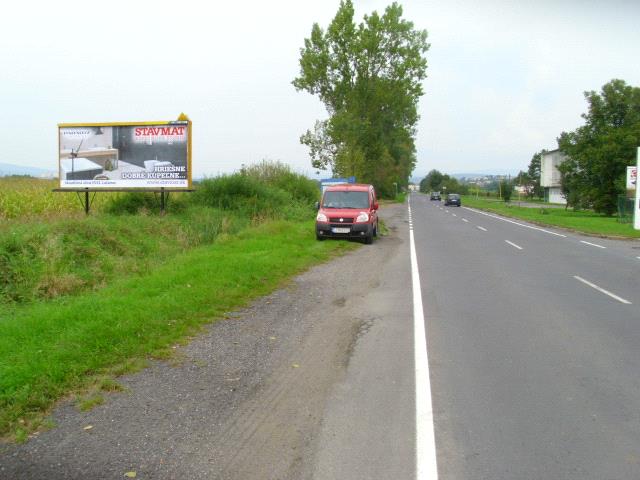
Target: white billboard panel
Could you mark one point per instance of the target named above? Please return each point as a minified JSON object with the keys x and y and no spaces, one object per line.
{"x":146,"y":155}
{"x":632,"y":178}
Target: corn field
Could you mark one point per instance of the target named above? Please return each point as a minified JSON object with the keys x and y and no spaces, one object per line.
{"x":26,"y":197}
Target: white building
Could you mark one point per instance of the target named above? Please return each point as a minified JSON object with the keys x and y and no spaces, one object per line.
{"x":550,"y":176}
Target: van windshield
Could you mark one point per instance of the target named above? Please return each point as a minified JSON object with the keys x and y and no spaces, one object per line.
{"x":346,"y":200}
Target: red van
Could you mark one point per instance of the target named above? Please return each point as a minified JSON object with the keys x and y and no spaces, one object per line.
{"x":348,"y":211}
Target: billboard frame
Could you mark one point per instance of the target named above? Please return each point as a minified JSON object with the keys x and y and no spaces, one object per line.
{"x":182,"y":120}
{"x":163,"y":191}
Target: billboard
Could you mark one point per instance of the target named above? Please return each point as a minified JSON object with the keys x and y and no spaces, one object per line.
{"x":632,"y":178}
{"x":143,"y":155}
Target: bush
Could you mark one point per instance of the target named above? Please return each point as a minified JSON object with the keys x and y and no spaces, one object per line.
{"x":507,"y":190}
{"x":264,"y":191}
{"x":132,"y":202}
{"x":278,"y":175}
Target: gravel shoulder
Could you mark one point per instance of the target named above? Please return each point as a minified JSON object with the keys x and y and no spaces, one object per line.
{"x":243,"y":400}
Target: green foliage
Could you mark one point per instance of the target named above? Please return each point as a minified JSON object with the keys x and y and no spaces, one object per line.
{"x":506,"y":190}
{"x":432,"y":182}
{"x":62,"y":257}
{"x":599,"y":151}
{"x":279,"y":175}
{"x":369,"y":76}
{"x":68,"y":256}
{"x":130,"y":203}
{"x":443,"y":183}
{"x":534,"y":173}
{"x":28,"y":198}
{"x":249,"y":196}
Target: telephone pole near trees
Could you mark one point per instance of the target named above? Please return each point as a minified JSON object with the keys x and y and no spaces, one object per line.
{"x":636,"y":204}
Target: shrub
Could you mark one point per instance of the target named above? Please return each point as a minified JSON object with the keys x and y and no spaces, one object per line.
{"x":132,"y":202}
{"x":263,"y":191}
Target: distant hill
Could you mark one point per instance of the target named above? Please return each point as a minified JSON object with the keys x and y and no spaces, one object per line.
{"x":486,"y":173}
{"x":7,"y":169}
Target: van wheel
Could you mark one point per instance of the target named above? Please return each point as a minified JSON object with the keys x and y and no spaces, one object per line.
{"x":320,"y":237}
{"x":375,"y":230}
{"x":368,"y":239}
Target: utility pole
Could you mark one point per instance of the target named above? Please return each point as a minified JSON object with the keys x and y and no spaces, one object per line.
{"x":636,"y":204}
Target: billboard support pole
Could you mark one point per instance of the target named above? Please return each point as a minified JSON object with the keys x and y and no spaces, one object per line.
{"x":636,"y":209}
{"x":88,"y":198}
{"x":86,"y":204}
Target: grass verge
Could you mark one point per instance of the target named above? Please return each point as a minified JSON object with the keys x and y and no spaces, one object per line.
{"x":51,"y":348}
{"x":580,"y":221}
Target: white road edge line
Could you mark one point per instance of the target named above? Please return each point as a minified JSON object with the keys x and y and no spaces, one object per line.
{"x":426,"y":462}
{"x":514,"y":245}
{"x":482,"y":228}
{"x":592,"y":244}
{"x":516,"y":223}
{"x":606,"y":292}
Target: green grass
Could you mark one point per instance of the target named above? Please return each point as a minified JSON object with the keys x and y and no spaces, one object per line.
{"x":581,"y":221}
{"x":400,"y":197}
{"x":68,"y":256}
{"x":51,"y":348}
{"x":90,"y":403}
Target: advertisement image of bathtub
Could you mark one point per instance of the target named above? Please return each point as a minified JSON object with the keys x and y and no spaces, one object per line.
{"x":140,"y":155}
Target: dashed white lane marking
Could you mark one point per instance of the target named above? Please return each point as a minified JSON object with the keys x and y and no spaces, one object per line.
{"x":465,"y":220}
{"x":454,"y":214}
{"x":514,"y":245}
{"x":592,"y":244}
{"x":516,"y":223}
{"x":482,"y":228}
{"x":600,"y":289}
{"x":426,"y":461}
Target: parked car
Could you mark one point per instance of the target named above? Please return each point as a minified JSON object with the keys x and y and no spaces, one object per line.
{"x":348,"y":211}
{"x":452,"y":199}
{"x":435,"y":196}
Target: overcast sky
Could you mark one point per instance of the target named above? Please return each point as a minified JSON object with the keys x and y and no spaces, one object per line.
{"x":505,"y":78}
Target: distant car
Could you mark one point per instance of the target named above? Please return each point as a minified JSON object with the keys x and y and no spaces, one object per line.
{"x":452,"y":199}
{"x":435,"y":196}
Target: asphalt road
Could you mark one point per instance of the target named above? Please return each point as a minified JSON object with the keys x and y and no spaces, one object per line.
{"x":534,"y":372}
{"x":533,"y":358}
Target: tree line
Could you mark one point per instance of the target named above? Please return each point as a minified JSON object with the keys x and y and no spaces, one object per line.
{"x":369,"y":77}
{"x":436,"y":181}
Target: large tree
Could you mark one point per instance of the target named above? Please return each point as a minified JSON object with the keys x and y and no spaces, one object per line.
{"x":435,"y":181}
{"x":369,"y":77}
{"x":599,"y":151}
{"x":533,"y":173}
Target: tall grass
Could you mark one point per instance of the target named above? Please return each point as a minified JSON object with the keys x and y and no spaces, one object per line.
{"x":48,"y":248}
{"x":264,"y":191}
{"x":29,"y":198}
{"x":46,"y":260}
